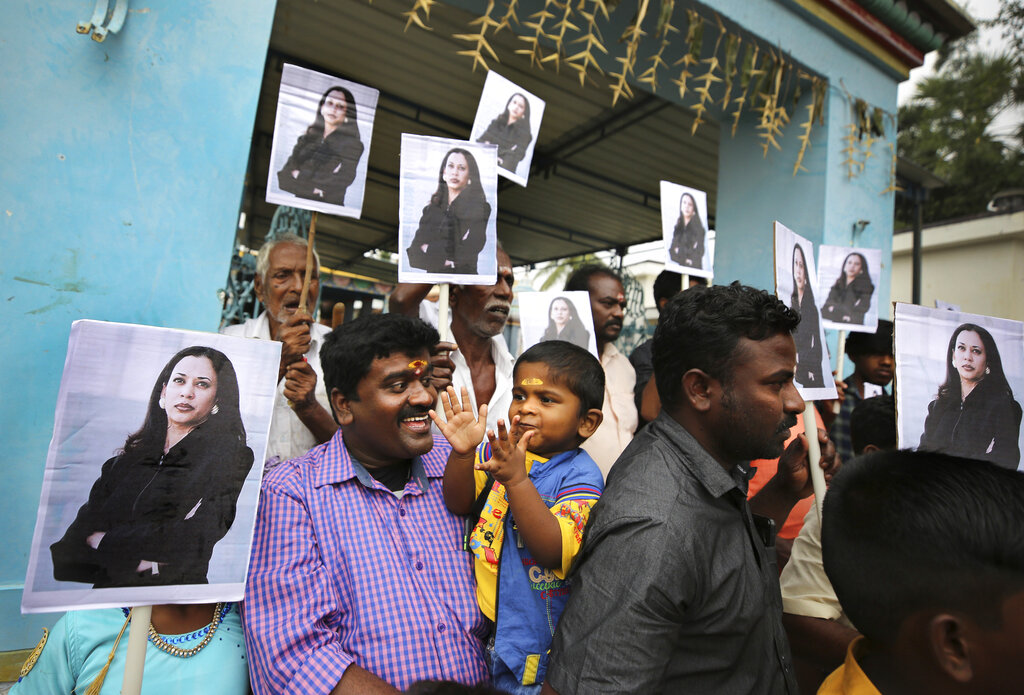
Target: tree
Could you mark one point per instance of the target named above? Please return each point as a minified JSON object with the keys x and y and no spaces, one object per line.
{"x":946,"y":127}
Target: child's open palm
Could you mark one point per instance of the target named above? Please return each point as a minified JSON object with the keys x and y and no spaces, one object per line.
{"x":508,"y":458}
{"x":462,"y":430}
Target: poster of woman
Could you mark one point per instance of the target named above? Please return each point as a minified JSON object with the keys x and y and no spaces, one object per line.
{"x":959,"y":381}
{"x":795,"y":281}
{"x":557,"y":315}
{"x":684,"y":214}
{"x":508,"y":116}
{"x":149,"y":491}
{"x":847,"y":294}
{"x":447,"y":198}
{"x":321,"y":144}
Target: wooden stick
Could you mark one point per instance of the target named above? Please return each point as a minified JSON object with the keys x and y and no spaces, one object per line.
{"x":841,"y":349}
{"x":135,"y":658}
{"x":814,"y":454}
{"x":309,"y":264}
{"x":442,"y":311}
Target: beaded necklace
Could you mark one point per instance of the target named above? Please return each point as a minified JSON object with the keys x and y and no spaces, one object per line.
{"x":166,"y":644}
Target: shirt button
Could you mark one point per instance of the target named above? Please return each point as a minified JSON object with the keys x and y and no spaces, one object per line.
{"x":401,"y":511}
{"x":419,"y":566}
{"x":441,"y":627}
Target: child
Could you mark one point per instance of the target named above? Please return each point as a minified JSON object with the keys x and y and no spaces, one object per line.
{"x":873,"y":363}
{"x":534,"y":488}
{"x":926,"y":554}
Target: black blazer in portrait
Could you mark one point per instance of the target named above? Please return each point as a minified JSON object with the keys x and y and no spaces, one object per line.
{"x":170,"y":509}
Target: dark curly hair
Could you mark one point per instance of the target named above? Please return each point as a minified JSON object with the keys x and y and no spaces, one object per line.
{"x":701,"y":327}
{"x":350,"y":349}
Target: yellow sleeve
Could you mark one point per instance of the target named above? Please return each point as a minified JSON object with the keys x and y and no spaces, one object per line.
{"x":572,"y":516}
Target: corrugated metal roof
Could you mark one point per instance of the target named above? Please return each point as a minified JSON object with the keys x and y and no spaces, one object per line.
{"x":594,"y":183}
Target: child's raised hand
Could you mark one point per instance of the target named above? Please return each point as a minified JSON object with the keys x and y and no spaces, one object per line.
{"x":463,"y":431}
{"x":508,"y":459}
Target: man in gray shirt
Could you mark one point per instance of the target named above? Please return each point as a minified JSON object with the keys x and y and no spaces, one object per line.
{"x":676,"y":589}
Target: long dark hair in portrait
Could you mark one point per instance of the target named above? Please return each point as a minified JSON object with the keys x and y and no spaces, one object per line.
{"x":807,"y":334}
{"x":162,"y":503}
{"x":154,"y":428}
{"x":324,"y":160}
{"x":983,"y":425}
{"x":453,"y":227}
{"x":574,"y":331}
{"x":510,"y":132}
{"x":687,"y":246}
{"x":849,"y":300}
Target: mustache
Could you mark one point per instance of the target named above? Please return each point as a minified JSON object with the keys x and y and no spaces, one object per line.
{"x":788,"y":424}
{"x":413,"y":411}
{"x":613,"y":322}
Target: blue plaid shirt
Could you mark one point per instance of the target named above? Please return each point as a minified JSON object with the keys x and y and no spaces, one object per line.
{"x":343,"y":571}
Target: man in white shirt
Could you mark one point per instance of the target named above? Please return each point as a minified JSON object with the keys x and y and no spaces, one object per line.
{"x":302,"y":417}
{"x":483,"y":363}
{"x":608,"y":305}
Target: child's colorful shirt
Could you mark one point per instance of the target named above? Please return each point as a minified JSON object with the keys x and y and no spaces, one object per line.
{"x":532,"y":597}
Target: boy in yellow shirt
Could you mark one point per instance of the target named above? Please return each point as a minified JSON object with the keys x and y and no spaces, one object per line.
{"x":534,"y":488}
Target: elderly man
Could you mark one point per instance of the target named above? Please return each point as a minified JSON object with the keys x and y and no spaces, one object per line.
{"x":608,"y":304}
{"x":358,"y":582}
{"x":483,"y":364}
{"x":301,"y":417}
{"x":677,"y":589}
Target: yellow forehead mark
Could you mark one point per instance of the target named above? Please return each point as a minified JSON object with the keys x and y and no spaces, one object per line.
{"x":532,"y":381}
{"x":417,"y":366}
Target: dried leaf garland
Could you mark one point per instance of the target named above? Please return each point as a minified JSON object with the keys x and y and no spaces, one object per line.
{"x":584,"y":60}
{"x":747,"y":73}
{"x":632,"y":36}
{"x":509,"y":17}
{"x":732,"y":49}
{"x":694,"y":40}
{"x":413,"y":16}
{"x":708,"y":78}
{"x":537,"y":57}
{"x":476,"y":53}
{"x":893,"y":186}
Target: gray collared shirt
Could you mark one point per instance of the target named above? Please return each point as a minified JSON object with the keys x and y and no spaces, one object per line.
{"x":674,"y":591}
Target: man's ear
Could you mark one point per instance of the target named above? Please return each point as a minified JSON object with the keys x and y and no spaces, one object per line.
{"x":589,"y":423}
{"x":869,"y":448}
{"x":341,"y":407}
{"x":698,"y":389}
{"x":257,"y":288}
{"x":453,"y":293}
{"x":949,"y":638}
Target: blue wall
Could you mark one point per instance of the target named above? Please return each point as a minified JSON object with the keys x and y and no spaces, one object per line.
{"x":821,"y":204}
{"x":123,"y":166}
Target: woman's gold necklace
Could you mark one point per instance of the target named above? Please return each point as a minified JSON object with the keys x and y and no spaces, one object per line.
{"x":160,"y":644}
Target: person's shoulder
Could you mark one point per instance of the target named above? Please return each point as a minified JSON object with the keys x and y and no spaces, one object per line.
{"x":240,"y":330}
{"x":642,"y":352}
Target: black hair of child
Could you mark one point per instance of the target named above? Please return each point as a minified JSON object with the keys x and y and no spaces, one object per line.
{"x":570,"y":366}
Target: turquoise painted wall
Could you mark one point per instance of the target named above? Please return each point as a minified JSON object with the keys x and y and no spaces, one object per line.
{"x":822,"y":203}
{"x":123,"y":165}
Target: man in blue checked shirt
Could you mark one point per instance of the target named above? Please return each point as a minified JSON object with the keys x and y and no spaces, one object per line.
{"x":357,"y":582}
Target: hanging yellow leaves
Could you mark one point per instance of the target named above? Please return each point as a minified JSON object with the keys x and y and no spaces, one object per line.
{"x":736,"y":74}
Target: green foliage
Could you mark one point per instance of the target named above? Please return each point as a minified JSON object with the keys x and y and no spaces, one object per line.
{"x":947,"y":128}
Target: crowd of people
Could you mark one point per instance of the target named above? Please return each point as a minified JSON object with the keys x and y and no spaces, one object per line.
{"x":441,"y":517}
